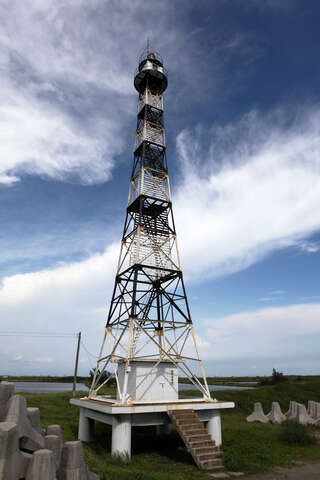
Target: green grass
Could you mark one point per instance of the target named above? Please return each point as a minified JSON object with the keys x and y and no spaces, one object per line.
{"x":248,"y":447}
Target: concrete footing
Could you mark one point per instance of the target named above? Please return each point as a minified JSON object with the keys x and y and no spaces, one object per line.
{"x":258,"y":415}
{"x":86,"y":427}
{"x":121,"y":436}
{"x":214,"y":427}
{"x":42,"y":466}
{"x":276,"y":416}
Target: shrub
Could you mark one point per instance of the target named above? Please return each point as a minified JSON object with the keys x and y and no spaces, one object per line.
{"x":276,"y":377}
{"x":294,"y":433}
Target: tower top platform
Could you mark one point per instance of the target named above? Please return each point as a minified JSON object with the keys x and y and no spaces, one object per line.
{"x":151,"y":72}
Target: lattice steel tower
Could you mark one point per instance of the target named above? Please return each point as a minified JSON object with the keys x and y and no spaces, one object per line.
{"x":149,"y":318}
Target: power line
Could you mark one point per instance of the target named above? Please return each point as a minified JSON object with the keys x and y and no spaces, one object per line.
{"x":37,"y":334}
{"x":87,"y":351}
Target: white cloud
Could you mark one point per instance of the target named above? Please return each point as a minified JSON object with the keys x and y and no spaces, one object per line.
{"x":280,"y":333}
{"x":67,"y":299}
{"x":256,"y":189}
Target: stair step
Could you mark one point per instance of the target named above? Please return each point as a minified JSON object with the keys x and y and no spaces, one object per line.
{"x":212,"y":461}
{"x":209,"y":456}
{"x":201,"y":450}
{"x":209,"y":466}
{"x":205,"y":438}
{"x":181,"y":418}
{"x":195,"y":429}
{"x":203,"y":444}
{"x":188,"y":421}
{"x":193,"y":437}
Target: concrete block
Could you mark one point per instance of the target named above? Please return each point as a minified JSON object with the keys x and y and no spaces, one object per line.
{"x":292,"y":412}
{"x":258,"y":415}
{"x":13,"y":463}
{"x":317,"y":422}
{"x":29,"y":438}
{"x":9,"y":440}
{"x":276,"y":416}
{"x":317,"y":409}
{"x":302,"y":416}
{"x":42,"y":466}
{"x":55,"y":430}
{"x":72,"y":465}
{"x":53,"y":443}
{"x":6,"y":392}
{"x":34,"y":417}
{"x":26,"y":459}
{"x":311,"y":408}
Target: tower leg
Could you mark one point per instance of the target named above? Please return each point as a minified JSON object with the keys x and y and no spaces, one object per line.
{"x":164,"y":429}
{"x":121,"y":436}
{"x":214,"y":427}
{"x":85,"y":427}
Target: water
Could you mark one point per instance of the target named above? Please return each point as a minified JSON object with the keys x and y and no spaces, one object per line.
{"x":55,"y":387}
{"x":46,"y":387}
{"x":185,"y":386}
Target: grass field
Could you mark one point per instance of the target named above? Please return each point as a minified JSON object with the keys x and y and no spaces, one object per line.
{"x":246,"y":447}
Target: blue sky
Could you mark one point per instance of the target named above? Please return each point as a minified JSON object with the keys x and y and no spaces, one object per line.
{"x":242,"y":115}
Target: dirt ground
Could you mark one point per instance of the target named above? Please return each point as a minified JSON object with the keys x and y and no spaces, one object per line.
{"x":307,"y":471}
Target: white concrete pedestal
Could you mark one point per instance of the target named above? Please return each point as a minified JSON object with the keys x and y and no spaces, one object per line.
{"x":121,"y":436}
{"x":214,"y":427}
{"x":123,"y":417}
{"x":86,"y":426}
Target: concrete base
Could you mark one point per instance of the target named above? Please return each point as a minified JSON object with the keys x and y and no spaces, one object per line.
{"x":121,"y":436}
{"x":214,"y":427}
{"x":123,"y":417}
{"x":86,"y":426}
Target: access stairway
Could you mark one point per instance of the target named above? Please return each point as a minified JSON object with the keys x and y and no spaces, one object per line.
{"x":199,"y":443}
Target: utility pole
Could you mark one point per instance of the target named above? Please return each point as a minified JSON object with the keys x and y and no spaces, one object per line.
{"x":76,"y":366}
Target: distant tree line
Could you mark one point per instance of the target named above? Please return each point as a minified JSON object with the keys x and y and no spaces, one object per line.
{"x":276,"y":377}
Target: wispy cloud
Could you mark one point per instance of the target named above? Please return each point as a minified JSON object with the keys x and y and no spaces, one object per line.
{"x":256,"y":189}
{"x":67,"y":85}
